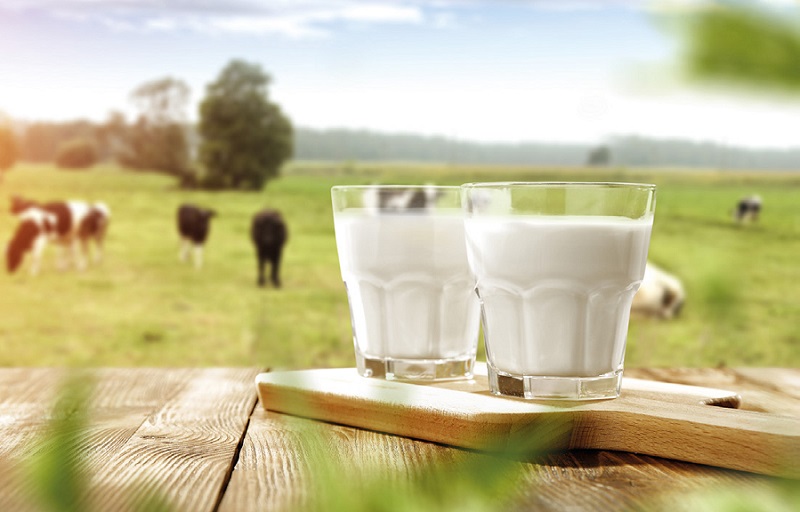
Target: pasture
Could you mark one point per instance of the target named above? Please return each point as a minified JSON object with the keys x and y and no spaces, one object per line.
{"x":141,"y":306}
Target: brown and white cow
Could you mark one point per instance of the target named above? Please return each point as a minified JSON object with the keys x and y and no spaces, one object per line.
{"x":74,"y":225}
{"x":660,"y":295}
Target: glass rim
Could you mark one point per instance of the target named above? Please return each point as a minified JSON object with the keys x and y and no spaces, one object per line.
{"x":393,"y":186}
{"x":555,"y":184}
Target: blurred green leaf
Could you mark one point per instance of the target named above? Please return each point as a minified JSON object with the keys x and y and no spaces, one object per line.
{"x":735,"y":42}
{"x":57,"y":469}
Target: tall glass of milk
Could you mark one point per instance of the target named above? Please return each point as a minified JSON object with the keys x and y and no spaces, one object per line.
{"x":403,"y":259}
{"x":556,"y":266}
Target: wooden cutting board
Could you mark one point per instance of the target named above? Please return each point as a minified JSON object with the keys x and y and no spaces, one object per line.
{"x":689,"y":423}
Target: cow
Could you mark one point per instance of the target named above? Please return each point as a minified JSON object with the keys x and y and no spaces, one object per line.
{"x":660,"y":294}
{"x":71,"y":224}
{"x":194,"y":223}
{"x":399,"y":198}
{"x":269,"y":233}
{"x":747,"y":209}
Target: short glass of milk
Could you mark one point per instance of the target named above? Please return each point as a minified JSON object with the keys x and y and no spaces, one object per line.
{"x":403,"y":258}
{"x":556,"y":266}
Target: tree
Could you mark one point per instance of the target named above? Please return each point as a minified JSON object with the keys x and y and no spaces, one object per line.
{"x":157,"y":140}
{"x":739,"y":44}
{"x":111,"y":136}
{"x":599,"y":156}
{"x":42,"y":140}
{"x":245,"y":137}
{"x":8,"y":149}
{"x":77,"y":154}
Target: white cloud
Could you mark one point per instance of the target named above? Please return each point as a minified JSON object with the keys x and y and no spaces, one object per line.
{"x":382,"y":13}
{"x":299,"y":18}
{"x":291,"y":18}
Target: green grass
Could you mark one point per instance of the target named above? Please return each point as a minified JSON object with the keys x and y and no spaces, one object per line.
{"x":142,"y":307}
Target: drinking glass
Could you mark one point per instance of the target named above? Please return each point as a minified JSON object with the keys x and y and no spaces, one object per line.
{"x":403,"y":260}
{"x":556,"y":266}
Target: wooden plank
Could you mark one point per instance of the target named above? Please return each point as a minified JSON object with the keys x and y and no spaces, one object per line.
{"x":169,"y":434}
{"x":649,"y":418}
{"x":282,"y":466}
{"x":183,"y":453}
{"x":770,"y":390}
{"x":118,"y":407}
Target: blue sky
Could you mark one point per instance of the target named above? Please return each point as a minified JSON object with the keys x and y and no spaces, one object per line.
{"x":543,"y":70}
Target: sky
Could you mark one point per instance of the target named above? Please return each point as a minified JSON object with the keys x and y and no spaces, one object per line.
{"x":568,"y":71}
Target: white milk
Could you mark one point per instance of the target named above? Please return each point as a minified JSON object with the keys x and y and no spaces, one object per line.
{"x":409,"y":284}
{"x":556,"y":291}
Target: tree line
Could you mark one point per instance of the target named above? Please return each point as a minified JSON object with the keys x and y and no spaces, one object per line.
{"x":622,"y":151}
{"x":240,"y":142}
{"x":56,"y":142}
{"x":47,"y":142}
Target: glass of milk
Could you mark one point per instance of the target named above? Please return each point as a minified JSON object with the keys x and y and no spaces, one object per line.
{"x":413,"y":308}
{"x":556,"y":266}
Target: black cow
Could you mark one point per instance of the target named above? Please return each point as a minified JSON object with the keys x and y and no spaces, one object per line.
{"x":269,"y":233}
{"x":194,"y":223}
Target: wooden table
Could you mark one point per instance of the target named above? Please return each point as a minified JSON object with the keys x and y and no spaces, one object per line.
{"x":197,"y":440}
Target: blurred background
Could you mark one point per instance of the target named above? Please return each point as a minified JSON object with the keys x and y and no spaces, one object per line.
{"x":240,"y":106}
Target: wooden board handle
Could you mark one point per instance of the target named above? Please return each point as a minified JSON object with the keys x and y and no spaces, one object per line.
{"x":717,"y":436}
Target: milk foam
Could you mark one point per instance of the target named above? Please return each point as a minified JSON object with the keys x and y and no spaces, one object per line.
{"x":408,"y":282}
{"x":556,"y":291}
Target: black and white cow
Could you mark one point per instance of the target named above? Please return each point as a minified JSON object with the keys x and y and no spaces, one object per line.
{"x":747,"y":209}
{"x":269,"y":233}
{"x":194,"y":223}
{"x":399,"y":198}
{"x":72,"y":224}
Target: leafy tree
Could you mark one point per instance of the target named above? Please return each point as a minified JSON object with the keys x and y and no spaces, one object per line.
{"x":736,"y":43}
{"x":246,"y":137}
{"x":77,"y":154}
{"x":599,"y":156}
{"x":8,"y":149}
{"x":111,"y":135}
{"x":157,"y":140}
{"x":42,"y":140}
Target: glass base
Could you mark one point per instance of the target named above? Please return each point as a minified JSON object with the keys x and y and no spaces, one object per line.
{"x":555,"y":388}
{"x":415,"y":369}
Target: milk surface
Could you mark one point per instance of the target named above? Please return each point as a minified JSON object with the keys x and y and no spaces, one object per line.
{"x":408,"y":282}
{"x":556,"y":291}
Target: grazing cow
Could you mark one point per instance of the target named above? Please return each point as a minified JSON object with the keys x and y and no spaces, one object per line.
{"x":194,"y":223}
{"x":269,"y":233}
{"x":71,"y":224}
{"x":400,"y":198}
{"x":660,"y":294}
{"x":747,"y":209}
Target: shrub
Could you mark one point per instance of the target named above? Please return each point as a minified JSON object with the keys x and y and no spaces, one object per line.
{"x":77,"y":154}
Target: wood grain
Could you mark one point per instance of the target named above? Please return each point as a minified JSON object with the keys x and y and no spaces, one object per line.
{"x":173,"y":433}
{"x":275,"y":471}
{"x":652,"y":418}
{"x":164,"y":434}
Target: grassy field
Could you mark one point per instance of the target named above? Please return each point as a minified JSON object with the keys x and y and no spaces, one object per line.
{"x":142,"y":307}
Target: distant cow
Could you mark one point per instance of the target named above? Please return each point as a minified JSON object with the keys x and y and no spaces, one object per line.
{"x":660,"y":294}
{"x":269,"y":234}
{"x":400,"y":198}
{"x":71,"y":224}
{"x":747,"y":209}
{"x":194,"y":224}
